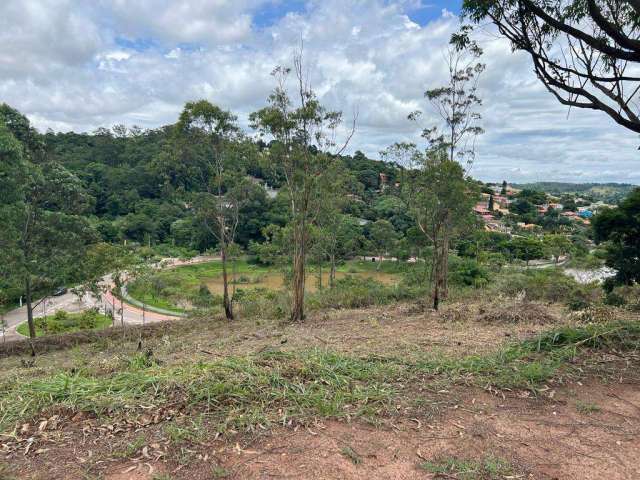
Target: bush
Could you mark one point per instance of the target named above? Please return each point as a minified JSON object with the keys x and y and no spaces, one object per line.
{"x":204,"y":298}
{"x":614,"y":299}
{"x":467,"y":271}
{"x":262,"y":303}
{"x":549,"y":285}
{"x":88,"y":320}
{"x":355,"y":292}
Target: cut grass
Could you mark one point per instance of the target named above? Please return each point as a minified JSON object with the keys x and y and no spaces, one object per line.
{"x":274,"y":387}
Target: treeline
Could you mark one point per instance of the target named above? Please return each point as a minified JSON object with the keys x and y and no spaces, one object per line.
{"x":141,"y":193}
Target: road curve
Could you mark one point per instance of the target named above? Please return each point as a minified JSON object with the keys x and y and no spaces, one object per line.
{"x":70,"y":303}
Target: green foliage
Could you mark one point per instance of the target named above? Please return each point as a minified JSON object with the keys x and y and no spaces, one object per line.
{"x":63,"y":322}
{"x":620,"y":229}
{"x":489,"y":468}
{"x":527,"y":248}
{"x":549,"y":285}
{"x":355,"y":292}
{"x":468,"y":272}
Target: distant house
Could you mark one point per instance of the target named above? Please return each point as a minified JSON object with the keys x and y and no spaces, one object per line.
{"x":384,"y":180}
{"x":542,"y":208}
{"x":481,"y":208}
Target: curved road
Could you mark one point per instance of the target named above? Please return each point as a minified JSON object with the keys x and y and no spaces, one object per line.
{"x":70,"y":303}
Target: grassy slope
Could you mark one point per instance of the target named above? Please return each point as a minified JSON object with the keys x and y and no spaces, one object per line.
{"x":275,"y":386}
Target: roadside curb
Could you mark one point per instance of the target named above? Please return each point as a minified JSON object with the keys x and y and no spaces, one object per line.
{"x":136,"y":303}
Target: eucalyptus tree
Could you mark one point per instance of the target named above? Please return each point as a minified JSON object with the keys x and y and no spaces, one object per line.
{"x":585,"y":52}
{"x":216,"y":133}
{"x":303,"y":147}
{"x":456,"y":104}
{"x":440,"y":198}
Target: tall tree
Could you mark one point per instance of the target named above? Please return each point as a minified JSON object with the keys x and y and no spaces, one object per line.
{"x":44,"y":234}
{"x":557,"y":245}
{"x":218,"y":207}
{"x":527,"y":249}
{"x":303,"y":131}
{"x":456,"y":104}
{"x":585,"y":52}
{"x":441,"y":200}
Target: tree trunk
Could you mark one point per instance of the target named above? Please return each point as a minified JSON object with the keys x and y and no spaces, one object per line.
{"x":29,"y":302}
{"x":436,"y":266}
{"x":297,"y":307}
{"x":332,"y":272}
{"x":228,"y":310}
{"x":445,"y":264}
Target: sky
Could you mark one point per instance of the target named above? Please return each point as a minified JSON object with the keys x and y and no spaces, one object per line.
{"x":79,"y":65}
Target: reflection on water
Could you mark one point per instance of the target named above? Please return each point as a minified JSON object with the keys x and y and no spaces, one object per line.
{"x":275,"y":281}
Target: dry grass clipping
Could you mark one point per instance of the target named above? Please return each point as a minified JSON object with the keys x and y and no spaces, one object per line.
{"x":514,"y":313}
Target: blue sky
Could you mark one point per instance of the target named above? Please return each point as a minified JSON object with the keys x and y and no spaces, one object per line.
{"x":72,"y":64}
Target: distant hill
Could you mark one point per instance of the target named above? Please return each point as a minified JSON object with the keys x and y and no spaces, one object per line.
{"x":607,"y":192}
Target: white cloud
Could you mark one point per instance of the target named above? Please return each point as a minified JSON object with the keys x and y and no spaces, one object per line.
{"x":71,"y":64}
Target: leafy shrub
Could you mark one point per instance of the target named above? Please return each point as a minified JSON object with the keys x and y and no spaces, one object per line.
{"x":549,"y":285}
{"x":204,"y":298}
{"x":467,"y":271}
{"x":88,"y":319}
{"x":262,"y":303}
{"x":614,"y":299}
{"x":355,"y":292}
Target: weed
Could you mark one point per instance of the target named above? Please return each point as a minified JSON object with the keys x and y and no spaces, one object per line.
{"x":220,"y":472}
{"x":587,"y":408}
{"x":6,"y":473}
{"x":351,"y":454}
{"x":131,"y":448}
{"x":192,"y":432}
{"x":278,"y":387}
{"x":489,"y":468}
{"x":162,"y":476}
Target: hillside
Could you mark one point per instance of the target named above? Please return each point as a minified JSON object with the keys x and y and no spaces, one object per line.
{"x":606,"y":192}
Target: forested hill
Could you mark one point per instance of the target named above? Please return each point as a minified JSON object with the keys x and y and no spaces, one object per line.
{"x":141,"y":190}
{"x":607,"y":192}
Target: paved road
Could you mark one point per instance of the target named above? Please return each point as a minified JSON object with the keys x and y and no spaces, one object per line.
{"x":70,"y":303}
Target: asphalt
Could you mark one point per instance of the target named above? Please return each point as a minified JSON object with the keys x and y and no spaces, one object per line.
{"x":70,"y":303}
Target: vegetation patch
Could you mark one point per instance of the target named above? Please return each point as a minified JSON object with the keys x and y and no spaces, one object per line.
{"x":489,"y":468}
{"x":272,"y":387}
{"x":63,"y":322}
{"x":516,"y":312}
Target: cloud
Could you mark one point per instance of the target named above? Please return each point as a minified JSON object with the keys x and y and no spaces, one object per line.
{"x":70,"y":64}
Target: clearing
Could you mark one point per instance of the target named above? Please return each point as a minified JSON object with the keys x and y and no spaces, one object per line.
{"x":477,"y":391}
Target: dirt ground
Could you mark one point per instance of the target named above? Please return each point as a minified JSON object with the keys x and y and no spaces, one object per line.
{"x":579,"y":427}
{"x":586,"y":431}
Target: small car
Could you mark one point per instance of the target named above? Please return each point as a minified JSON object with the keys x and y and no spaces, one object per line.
{"x":60,"y":291}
